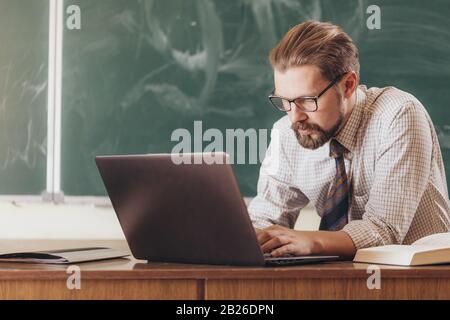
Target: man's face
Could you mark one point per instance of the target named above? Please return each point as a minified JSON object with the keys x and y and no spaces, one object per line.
{"x":313,"y":129}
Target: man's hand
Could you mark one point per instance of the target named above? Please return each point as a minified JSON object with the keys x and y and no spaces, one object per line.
{"x":280,"y":241}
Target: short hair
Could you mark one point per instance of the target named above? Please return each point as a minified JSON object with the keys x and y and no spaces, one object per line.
{"x":321,"y":44}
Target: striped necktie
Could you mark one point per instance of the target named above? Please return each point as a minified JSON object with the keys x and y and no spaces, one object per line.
{"x":336,"y":206}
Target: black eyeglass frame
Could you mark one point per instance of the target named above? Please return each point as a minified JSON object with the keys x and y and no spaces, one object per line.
{"x":315,"y":98}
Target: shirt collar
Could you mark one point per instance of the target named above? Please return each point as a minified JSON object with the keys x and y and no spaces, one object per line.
{"x":347,"y":136}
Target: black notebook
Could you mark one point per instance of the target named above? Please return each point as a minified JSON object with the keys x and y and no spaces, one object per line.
{"x":64,"y":256}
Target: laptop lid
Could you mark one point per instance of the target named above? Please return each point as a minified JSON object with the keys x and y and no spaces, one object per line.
{"x":186,"y":213}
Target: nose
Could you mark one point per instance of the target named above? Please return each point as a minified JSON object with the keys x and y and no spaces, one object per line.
{"x":296,"y":115}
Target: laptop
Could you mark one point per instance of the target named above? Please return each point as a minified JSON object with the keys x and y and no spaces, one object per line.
{"x":189,"y":212}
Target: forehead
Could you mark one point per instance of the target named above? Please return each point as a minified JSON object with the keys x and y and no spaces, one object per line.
{"x":298,"y":81}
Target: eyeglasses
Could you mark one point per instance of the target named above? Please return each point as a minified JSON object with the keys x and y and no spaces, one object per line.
{"x":305,"y":103}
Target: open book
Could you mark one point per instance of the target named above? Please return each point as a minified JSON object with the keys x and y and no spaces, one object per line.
{"x":64,"y":256}
{"x":433,"y":249}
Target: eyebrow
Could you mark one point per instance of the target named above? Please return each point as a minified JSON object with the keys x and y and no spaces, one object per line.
{"x":296,"y":97}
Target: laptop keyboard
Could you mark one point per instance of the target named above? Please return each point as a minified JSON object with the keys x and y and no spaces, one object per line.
{"x":292,"y":259}
{"x":267,"y":256}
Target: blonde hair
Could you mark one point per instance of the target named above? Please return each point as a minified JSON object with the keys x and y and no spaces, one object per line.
{"x":317,"y":43}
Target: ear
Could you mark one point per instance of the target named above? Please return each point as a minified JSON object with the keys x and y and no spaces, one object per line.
{"x":350,"y":83}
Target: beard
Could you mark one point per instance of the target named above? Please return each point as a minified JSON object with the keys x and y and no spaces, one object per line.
{"x":317,"y":136}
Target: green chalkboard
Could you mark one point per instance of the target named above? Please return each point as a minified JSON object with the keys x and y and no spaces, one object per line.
{"x":138,"y":70}
{"x":23,"y":96}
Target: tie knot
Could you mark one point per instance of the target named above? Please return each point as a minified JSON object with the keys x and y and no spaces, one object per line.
{"x":336,"y":149}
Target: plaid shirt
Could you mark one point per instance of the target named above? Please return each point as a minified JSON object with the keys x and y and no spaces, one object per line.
{"x":394,"y":165}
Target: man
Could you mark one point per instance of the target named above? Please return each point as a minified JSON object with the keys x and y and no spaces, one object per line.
{"x":367,"y":159}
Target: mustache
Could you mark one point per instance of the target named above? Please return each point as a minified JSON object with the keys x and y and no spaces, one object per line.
{"x":305,"y":126}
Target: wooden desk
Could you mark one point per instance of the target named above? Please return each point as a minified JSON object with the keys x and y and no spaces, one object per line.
{"x":134,"y":279}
